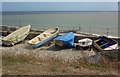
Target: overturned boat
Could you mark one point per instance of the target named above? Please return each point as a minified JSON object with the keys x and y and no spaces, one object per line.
{"x":16,"y":36}
{"x":105,"y":44}
{"x":85,"y":42}
{"x":66,"y":40}
{"x":43,"y":37}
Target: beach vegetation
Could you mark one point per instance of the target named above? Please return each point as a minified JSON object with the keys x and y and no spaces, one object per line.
{"x":31,"y":65}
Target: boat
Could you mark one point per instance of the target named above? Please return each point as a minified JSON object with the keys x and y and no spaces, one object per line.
{"x":66,"y":40}
{"x":16,"y":36}
{"x":85,"y":42}
{"x":104,"y":43}
{"x":44,"y":37}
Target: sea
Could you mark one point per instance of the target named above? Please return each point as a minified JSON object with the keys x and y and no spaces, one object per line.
{"x":98,"y":23}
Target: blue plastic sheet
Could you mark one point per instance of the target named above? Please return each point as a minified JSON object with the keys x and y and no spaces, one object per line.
{"x":68,"y":39}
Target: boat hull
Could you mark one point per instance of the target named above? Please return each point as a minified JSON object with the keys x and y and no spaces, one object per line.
{"x":85,"y":42}
{"x":43,"y":42}
{"x":105,"y":46}
{"x":19,"y":38}
{"x":43,"y":37}
{"x":64,"y":43}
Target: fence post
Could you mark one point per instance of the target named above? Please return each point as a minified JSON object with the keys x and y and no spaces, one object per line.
{"x":20,"y":21}
{"x":79,"y":27}
{"x":89,"y":31}
{"x":73,"y":28}
{"x":44,"y":28}
{"x":107,"y":31}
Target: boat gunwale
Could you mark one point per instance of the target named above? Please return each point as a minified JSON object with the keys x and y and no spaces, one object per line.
{"x":44,"y":33}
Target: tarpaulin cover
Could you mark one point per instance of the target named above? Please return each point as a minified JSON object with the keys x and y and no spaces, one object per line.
{"x":68,"y":39}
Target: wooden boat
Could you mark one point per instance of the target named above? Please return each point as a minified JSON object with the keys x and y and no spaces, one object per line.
{"x":43,"y":37}
{"x":85,"y":42}
{"x":16,"y":36}
{"x":66,"y":40}
{"x":105,"y":44}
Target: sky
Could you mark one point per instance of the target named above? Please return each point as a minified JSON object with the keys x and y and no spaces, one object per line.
{"x":60,"y":0}
{"x":59,"y":6}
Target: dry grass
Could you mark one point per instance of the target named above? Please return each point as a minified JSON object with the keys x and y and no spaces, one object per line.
{"x":30,"y":65}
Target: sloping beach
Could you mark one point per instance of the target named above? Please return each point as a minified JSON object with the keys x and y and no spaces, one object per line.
{"x":48,"y":60}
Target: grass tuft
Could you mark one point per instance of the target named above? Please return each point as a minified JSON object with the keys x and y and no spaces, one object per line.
{"x":53,"y":65}
{"x":9,"y":59}
{"x":53,"y":69}
{"x":64,"y":70}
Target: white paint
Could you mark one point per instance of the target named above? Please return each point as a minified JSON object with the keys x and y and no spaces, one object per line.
{"x":115,"y":46}
{"x":85,"y":42}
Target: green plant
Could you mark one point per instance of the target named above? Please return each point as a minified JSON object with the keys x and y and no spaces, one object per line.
{"x":64,"y":70}
{"x":53,"y":69}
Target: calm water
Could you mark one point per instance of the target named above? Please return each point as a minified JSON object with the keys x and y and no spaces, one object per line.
{"x":90,"y":22}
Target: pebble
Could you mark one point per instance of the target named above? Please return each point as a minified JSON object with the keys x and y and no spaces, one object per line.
{"x":66,"y":55}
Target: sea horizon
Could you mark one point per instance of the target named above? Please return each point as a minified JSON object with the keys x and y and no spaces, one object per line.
{"x":98,"y":21}
{"x":59,"y":11}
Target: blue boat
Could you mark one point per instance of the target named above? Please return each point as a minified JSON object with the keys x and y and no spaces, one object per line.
{"x":105,"y":44}
{"x":44,"y":37}
{"x":66,"y":40}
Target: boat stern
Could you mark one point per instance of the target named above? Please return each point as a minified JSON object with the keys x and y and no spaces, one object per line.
{"x":5,"y":42}
{"x":59,"y":43}
{"x":32,"y":45}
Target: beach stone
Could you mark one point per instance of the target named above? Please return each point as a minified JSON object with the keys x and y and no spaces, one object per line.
{"x":64,"y":54}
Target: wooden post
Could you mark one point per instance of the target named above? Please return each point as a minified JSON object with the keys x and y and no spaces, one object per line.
{"x":89,"y":31}
{"x":20,"y":21}
{"x":73,"y":28}
{"x":8,"y":30}
{"x":44,"y":28}
{"x":79,"y":27}
{"x":107,"y":31}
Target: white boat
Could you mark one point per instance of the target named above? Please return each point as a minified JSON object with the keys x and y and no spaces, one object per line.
{"x":43,"y":37}
{"x":85,"y":42}
{"x":16,"y":36}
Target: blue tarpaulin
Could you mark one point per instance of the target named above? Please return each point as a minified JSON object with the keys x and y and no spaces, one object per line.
{"x":67,"y":40}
